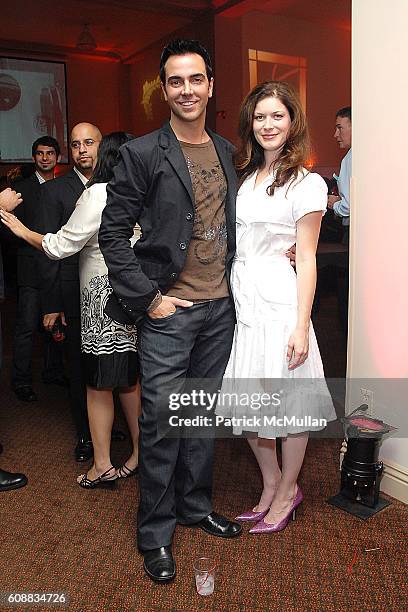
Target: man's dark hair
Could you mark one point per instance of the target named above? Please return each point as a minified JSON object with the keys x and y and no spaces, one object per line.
{"x":183,"y":47}
{"x":46,"y":141}
{"x":108,"y":156}
{"x":344,"y":112}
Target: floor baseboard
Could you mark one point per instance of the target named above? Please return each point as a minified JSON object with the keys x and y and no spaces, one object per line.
{"x":395,"y":481}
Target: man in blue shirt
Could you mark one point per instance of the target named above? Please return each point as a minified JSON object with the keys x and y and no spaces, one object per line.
{"x":341,"y":203}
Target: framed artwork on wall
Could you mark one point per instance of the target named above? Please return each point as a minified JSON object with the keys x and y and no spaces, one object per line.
{"x":32,"y":104}
{"x":266,"y":66}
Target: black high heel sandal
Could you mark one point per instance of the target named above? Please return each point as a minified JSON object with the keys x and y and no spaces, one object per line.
{"x":125,"y":472}
{"x":102,"y":481}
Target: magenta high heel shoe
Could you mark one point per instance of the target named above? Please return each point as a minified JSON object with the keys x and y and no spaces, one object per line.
{"x":252,"y":516}
{"x":263,"y":527}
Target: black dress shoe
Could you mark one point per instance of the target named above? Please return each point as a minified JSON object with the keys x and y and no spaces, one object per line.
{"x":9,"y":481}
{"x":61,"y":380}
{"x":159,"y":564}
{"x":83,"y":450}
{"x":25,"y":393}
{"x":218,"y":525}
{"x":117,"y":435}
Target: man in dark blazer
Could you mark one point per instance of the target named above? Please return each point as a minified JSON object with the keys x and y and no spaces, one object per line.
{"x":46,"y":155}
{"x":59,"y":279}
{"x":179,"y":184}
{"x":9,"y":199}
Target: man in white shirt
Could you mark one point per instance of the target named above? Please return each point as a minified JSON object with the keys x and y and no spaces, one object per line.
{"x":59,"y":280}
{"x":45,"y":155}
{"x":60,"y":295}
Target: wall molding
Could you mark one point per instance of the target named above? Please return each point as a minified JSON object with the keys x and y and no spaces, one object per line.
{"x":395,"y":480}
{"x":30,"y":49}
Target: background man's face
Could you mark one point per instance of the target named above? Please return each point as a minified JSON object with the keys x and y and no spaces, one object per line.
{"x":85,"y":140}
{"x":342,"y":132}
{"x":187,"y":88}
{"x":45,"y":158}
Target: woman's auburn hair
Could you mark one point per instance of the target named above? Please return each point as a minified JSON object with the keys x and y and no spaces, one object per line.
{"x":296,"y":150}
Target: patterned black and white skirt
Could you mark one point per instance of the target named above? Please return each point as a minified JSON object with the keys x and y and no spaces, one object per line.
{"x":109,"y":349}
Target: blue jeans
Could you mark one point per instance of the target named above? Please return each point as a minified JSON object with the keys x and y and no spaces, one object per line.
{"x":175,"y":474}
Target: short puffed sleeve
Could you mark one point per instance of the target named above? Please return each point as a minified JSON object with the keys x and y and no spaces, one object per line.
{"x":309,"y":195}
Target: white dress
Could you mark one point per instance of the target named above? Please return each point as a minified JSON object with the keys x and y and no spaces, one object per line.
{"x":265,"y":295}
{"x":110,"y":348}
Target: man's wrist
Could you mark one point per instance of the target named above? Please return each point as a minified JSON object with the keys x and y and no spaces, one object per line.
{"x":157,"y":300}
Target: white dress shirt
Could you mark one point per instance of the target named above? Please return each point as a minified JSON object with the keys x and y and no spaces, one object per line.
{"x":342,"y":207}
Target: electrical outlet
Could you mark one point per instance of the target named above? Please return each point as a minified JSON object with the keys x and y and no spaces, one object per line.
{"x":368,"y":398}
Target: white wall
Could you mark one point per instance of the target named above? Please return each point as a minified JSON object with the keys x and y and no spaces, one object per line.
{"x":378,"y":338}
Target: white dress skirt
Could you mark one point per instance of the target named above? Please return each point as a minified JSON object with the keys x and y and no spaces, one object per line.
{"x":109,"y":348}
{"x":265,"y":295}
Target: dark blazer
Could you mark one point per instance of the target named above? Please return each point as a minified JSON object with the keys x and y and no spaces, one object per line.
{"x":1,"y":276}
{"x":1,"y":299}
{"x":59,"y":279}
{"x":152,"y":186}
{"x":28,"y":213}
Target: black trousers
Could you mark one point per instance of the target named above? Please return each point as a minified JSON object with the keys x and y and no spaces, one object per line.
{"x":27,"y":325}
{"x":175,"y":474}
{"x":343,"y":287}
{"x":1,"y":345}
{"x":76,"y":373}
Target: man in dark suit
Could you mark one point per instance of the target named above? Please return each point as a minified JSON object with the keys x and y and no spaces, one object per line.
{"x":46,"y":155}
{"x":9,"y":199}
{"x":179,"y":184}
{"x":59,"y":280}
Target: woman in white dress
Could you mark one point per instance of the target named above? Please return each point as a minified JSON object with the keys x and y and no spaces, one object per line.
{"x":279,"y":203}
{"x":109,"y":349}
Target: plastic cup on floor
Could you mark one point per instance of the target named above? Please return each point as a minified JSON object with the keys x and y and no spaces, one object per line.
{"x":204,"y":569}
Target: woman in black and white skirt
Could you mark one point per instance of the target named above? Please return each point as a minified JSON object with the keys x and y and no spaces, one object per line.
{"x":109,"y":349}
